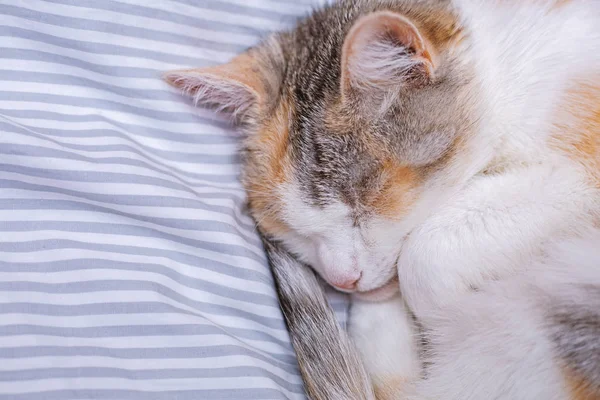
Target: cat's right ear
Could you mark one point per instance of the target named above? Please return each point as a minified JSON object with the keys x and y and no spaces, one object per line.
{"x":236,"y":87}
{"x":383,"y":51}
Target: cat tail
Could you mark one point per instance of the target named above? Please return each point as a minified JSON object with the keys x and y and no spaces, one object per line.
{"x":329,"y":363}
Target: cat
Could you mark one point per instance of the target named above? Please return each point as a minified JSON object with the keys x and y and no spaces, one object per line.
{"x":440,"y":161}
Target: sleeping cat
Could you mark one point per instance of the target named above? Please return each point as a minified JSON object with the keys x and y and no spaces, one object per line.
{"x":447,"y":150}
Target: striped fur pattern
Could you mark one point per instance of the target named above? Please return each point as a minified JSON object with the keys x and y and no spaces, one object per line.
{"x":447,"y":150}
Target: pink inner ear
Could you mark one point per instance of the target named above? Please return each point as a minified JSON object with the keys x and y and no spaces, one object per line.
{"x":382,"y":49}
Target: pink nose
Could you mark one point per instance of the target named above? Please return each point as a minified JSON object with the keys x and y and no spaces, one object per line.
{"x":349,"y":284}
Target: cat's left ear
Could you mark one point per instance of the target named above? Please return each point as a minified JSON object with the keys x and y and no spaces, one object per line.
{"x":382,"y":51}
{"x":237,"y":87}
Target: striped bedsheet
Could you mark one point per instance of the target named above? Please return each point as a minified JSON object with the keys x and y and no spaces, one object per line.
{"x":129,"y":268}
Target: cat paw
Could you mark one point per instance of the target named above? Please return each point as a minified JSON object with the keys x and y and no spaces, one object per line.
{"x":384,"y":335}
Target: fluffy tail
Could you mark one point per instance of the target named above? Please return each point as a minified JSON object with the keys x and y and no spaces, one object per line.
{"x":329,"y":363}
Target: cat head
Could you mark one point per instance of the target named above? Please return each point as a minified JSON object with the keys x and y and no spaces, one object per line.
{"x":347,"y":121}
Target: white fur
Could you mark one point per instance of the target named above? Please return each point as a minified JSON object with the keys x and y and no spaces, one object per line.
{"x":495,"y":344}
{"x":490,"y":230}
{"x":385,"y":337}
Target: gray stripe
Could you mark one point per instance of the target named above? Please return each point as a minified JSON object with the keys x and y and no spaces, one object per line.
{"x":130,"y":230}
{"x":111,"y":27}
{"x":41,"y":151}
{"x":182,"y":19}
{"x":186,"y":373}
{"x":148,"y":201}
{"x":127,"y":230}
{"x":183,"y":280}
{"x":183,"y":258}
{"x":139,"y":331}
{"x":71,"y":80}
{"x":104,"y":177}
{"x":123,"y":308}
{"x":116,"y":285}
{"x":101,"y":48}
{"x":268,"y":298}
{"x":112,"y":394}
{"x":79,"y":310}
{"x":99,"y":104}
{"x":134,"y":130}
{"x":51,"y":204}
{"x":239,"y":9}
{"x":284,"y":362}
{"x":109,"y":308}
{"x":112,"y":70}
{"x":221,"y":159}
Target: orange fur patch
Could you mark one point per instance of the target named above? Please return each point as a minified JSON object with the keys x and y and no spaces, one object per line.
{"x":243,"y":69}
{"x":579,"y":388}
{"x":440,"y":27}
{"x":578,"y":127}
{"x":397,"y":193}
{"x":439,"y":23}
{"x":389,"y":388}
{"x":270,"y":169}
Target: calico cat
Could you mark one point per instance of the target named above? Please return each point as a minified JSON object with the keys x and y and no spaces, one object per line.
{"x":447,"y":150}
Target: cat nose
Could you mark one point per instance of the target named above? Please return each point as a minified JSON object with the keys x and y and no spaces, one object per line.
{"x":348,"y":284}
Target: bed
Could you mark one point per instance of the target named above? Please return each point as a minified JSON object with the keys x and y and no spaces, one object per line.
{"x":129,"y":268}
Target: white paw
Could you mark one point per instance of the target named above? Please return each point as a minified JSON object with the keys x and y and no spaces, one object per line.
{"x":386,"y":339}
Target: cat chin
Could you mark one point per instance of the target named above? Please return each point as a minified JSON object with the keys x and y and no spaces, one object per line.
{"x":382,"y":293}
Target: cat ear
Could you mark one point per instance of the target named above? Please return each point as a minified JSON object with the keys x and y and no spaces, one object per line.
{"x":384,"y":50}
{"x":236,"y":87}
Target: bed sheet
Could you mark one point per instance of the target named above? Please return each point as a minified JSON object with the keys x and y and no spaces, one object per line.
{"x":129,"y":268}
